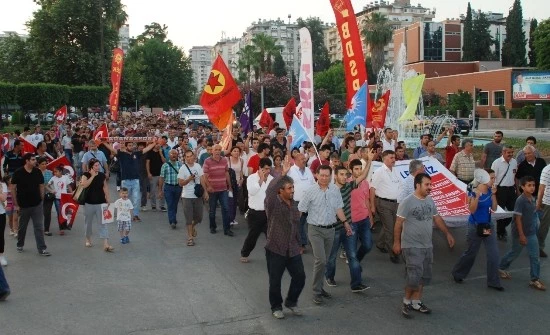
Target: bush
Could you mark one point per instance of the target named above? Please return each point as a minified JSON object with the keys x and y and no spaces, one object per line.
{"x":89,"y":96}
{"x":42,"y":96}
{"x":17,"y":117}
{"x":8,"y":94}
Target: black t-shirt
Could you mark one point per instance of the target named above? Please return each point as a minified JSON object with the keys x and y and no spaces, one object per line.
{"x":155,"y":162}
{"x":28,"y":187}
{"x":129,"y":164}
{"x":77,"y":143}
{"x":95,"y":194}
{"x":105,"y":151}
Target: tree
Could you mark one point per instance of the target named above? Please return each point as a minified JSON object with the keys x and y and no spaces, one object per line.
{"x":15,"y":62}
{"x":468,"y":43}
{"x":378,"y":33}
{"x":279,"y":66}
{"x":153,"y":30}
{"x":332,"y":80}
{"x":156,"y":72}
{"x":532,"y":52}
{"x":372,"y":76}
{"x":542,"y":45}
{"x":513,"y":49}
{"x":482,"y":39}
{"x":266,"y":49}
{"x":321,"y":60}
{"x":247,"y":63}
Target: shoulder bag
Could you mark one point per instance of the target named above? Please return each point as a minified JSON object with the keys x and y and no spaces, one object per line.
{"x":80,"y":193}
{"x":482,"y":229}
{"x":199,"y":190}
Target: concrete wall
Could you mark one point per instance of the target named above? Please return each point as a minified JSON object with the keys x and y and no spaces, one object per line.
{"x":504,"y":124}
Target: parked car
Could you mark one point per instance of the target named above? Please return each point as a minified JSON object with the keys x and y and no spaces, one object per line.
{"x":337,"y":119}
{"x":195,"y":120}
{"x":191,"y":110}
{"x":462,"y":126}
{"x":47,"y":117}
{"x":6,"y":117}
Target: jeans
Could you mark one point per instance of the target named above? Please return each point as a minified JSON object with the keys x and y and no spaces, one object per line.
{"x":172,"y":194}
{"x":133,"y":193}
{"x":69,"y":155}
{"x":466,"y":261}
{"x":4,"y":287}
{"x":532,"y":248}
{"x":2,"y":228}
{"x":153,"y":192}
{"x":321,"y":243}
{"x":36,"y":214}
{"x":91,"y":212}
{"x":233,"y":203}
{"x":223,"y":198}
{"x":257,"y":224}
{"x":303,"y":229}
{"x":339,"y":236}
{"x":276,"y":265}
{"x":361,"y":231}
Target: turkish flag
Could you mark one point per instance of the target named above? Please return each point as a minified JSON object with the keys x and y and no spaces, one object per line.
{"x":27,"y":146}
{"x":289,"y":111}
{"x":377,"y":111}
{"x":69,"y":208}
{"x":68,"y":170}
{"x":6,"y":142}
{"x":101,"y":132}
{"x":323,"y":124}
{"x":61,"y":114}
{"x":266,"y":120}
{"x":220,"y":94}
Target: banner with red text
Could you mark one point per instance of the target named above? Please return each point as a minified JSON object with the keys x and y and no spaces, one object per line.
{"x":376,"y":116}
{"x":353,"y":58}
{"x":305,"y":84}
{"x":116,"y":74}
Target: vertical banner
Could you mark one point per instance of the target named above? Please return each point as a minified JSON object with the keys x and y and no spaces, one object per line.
{"x":354,"y":60}
{"x":376,"y":116}
{"x":306,"y":82}
{"x":116,"y":74}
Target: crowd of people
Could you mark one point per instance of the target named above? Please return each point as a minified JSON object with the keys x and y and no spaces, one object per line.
{"x":316,"y":196}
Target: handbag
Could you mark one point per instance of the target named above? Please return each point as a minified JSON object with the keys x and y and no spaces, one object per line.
{"x":49,"y":196}
{"x":482,"y":229}
{"x":199,"y":190}
{"x":80,"y":193}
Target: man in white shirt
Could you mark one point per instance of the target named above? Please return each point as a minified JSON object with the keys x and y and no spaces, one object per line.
{"x":303,"y":179}
{"x":384,"y":191}
{"x":193,"y":139}
{"x":505,"y":169}
{"x":35,"y":137}
{"x":172,"y":138}
{"x":388,"y":142}
{"x":257,"y":184}
{"x":67,"y":144}
{"x":190,"y":175}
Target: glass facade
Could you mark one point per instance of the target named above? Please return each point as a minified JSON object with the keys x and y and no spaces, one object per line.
{"x":433,"y":41}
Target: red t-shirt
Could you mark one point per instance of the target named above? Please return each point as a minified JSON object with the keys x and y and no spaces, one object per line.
{"x":450,"y":152}
{"x":316,"y":163}
{"x":254,"y":163}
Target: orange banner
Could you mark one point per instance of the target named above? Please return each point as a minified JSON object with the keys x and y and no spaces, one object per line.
{"x":376,"y":117}
{"x":354,"y":60}
{"x":116,"y":74}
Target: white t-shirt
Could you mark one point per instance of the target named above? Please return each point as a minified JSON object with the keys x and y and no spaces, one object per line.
{"x":123,"y":210}
{"x":66,"y":142}
{"x":59,"y":185}
{"x":2,"y":207}
{"x":189,"y":189}
{"x":36,"y":138}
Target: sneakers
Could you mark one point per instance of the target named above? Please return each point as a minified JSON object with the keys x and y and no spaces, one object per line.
{"x":153,"y":208}
{"x":118,"y":188}
{"x":173,"y":225}
{"x":123,"y":241}
{"x":278,"y":314}
{"x":228,"y":233}
{"x":542,"y":254}
{"x":406,"y":310}
{"x":359,"y":288}
{"x":12,"y":232}
{"x":19,"y":249}
{"x":144,"y":208}
{"x":420,"y":307}
{"x":127,"y":239}
{"x":537,"y":285}
{"x":325,"y":294}
{"x":330,"y":282}
{"x":295,"y":310}
{"x":343,"y":255}
{"x":504,"y":274}
{"x":234,"y":223}
{"x":47,"y":233}
{"x":136,"y":218}
{"x":3,"y":261}
{"x":162,"y":208}
{"x":4,"y":295}
{"x":44,"y":253}
{"x":318,"y":299}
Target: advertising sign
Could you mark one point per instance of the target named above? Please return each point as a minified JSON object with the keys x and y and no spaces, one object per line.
{"x":530,"y":86}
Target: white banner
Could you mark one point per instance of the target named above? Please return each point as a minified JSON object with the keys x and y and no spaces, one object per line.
{"x":306,"y":114}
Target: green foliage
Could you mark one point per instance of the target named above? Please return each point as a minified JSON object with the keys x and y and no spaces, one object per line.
{"x":477,"y":38}
{"x":247,"y":63}
{"x":542,"y":45}
{"x":468,"y":39}
{"x":532,"y":54}
{"x":378,"y":33}
{"x":152,"y":31}
{"x":89,"y":96}
{"x":337,"y":104}
{"x":15,"y":65}
{"x":41,"y":97}
{"x":526,"y":112}
{"x":8,"y":94}
{"x":432,"y":98}
{"x":513,"y":49}
{"x":372,"y":76}
{"x":279,"y":66}
{"x":461,"y":100}
{"x":316,"y":26}
{"x":17,"y":117}
{"x":276,"y":92}
{"x":332,"y":80}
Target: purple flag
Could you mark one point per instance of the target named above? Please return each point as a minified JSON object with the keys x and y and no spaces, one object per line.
{"x":246,"y":118}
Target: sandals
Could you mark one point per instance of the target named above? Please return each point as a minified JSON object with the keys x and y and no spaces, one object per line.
{"x":504,"y":274}
{"x":190,"y":242}
{"x":537,"y":284}
{"x":109,"y":249}
{"x":244,"y":259}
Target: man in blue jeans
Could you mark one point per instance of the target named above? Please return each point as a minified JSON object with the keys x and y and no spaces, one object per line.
{"x":4,"y":287}
{"x":130,"y":161}
{"x":218,"y":184}
{"x":168,"y":180}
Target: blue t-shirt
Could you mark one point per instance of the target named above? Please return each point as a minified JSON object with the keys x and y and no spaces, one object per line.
{"x":129,"y":164}
{"x":529,"y":219}
{"x":482,"y":215}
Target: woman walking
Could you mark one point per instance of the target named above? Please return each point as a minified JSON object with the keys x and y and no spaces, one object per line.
{"x":49,"y":195}
{"x":97,"y":193}
{"x":236,"y":163}
{"x":3,"y":198}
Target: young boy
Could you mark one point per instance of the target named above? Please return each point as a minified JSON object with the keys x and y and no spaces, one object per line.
{"x":524,"y":233}
{"x":123,"y":208}
{"x":60,"y":184}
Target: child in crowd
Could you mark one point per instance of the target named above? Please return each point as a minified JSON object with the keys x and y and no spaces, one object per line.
{"x":123,"y":208}
{"x":60,"y":184}
{"x":11,"y":215}
{"x":524,"y":233}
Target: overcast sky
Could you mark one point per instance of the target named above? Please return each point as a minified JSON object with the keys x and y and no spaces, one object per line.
{"x":201,"y":22}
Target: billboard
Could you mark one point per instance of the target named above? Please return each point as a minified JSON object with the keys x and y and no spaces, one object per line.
{"x":530,"y":86}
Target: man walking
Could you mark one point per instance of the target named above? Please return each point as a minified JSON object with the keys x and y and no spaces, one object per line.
{"x":218,"y":184}
{"x":14,"y":158}
{"x":492,"y":150}
{"x":153,"y":163}
{"x":27,"y":189}
{"x":172,"y":189}
{"x":413,"y":238}
{"x":543,"y":205}
{"x":463,"y":164}
{"x":189,"y":176}
{"x":93,"y":152}
{"x":505,"y":170}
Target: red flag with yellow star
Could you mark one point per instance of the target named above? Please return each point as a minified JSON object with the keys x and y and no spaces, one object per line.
{"x":220,"y":94}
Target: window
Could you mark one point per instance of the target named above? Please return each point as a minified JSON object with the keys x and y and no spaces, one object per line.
{"x":483,"y":99}
{"x":433,"y":41}
{"x":498,"y":98}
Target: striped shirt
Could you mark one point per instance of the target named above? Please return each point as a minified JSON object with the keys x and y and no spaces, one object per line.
{"x":345,"y":191}
{"x":463,"y":166}
{"x":216,"y":172}
{"x":321,"y":205}
{"x":169,"y":171}
{"x":545,"y":180}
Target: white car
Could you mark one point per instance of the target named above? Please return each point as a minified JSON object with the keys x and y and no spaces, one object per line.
{"x":197,"y":119}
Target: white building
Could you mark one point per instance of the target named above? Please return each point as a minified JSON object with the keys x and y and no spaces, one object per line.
{"x":124,"y":38}
{"x":228,"y":48}
{"x":201,"y":63}
{"x":5,"y":34}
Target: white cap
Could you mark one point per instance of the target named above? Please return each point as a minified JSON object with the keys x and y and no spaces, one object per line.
{"x":480,"y":177}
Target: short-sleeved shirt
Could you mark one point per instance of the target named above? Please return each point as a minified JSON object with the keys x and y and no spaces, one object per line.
{"x":129,"y":164}
{"x":418,"y":225}
{"x":450,"y":152}
{"x":505,"y":172}
{"x":28,"y":187}
{"x":526,"y":209}
{"x":345,"y":191}
{"x":77,"y":143}
{"x":59,"y":184}
{"x":124,"y":210}
{"x":359,"y":202}
{"x":254,"y":163}
{"x":493,"y":151}
{"x":216,"y":171}
{"x":545,"y":180}
{"x":95,"y":194}
{"x":407,"y":188}
{"x":169,"y":172}
{"x":99,"y":155}
{"x":463,"y":165}
{"x":527,"y":169}
{"x":320,"y":205}
{"x":189,"y":189}
{"x":386,"y":182}
{"x":482,"y":215}
{"x":155,"y":162}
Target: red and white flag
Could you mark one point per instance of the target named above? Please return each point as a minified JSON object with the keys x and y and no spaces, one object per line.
{"x":6,"y":142}
{"x":64,"y":162}
{"x":69,"y":208}
{"x":61,"y":114}
{"x":27,"y":146}
{"x":101,"y":132}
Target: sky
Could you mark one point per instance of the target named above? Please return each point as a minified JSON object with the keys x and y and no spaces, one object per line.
{"x":197,"y":23}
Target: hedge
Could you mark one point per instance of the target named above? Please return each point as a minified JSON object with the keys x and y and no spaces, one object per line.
{"x":8,"y":94}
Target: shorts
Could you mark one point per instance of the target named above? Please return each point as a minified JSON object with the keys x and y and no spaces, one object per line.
{"x":192,"y":210}
{"x":418,"y":266}
{"x":124,"y":225}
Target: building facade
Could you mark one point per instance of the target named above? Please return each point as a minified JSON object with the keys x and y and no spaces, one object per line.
{"x":124,"y":38}
{"x":201,"y":62}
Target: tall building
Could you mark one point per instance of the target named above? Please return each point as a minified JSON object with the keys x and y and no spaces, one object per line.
{"x":201,"y":62}
{"x":228,"y":48}
{"x":124,"y":38}
{"x":400,"y":13}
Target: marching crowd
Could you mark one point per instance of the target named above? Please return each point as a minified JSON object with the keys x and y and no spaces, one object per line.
{"x":316,"y":196}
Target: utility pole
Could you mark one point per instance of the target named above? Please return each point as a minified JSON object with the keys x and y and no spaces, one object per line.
{"x":474,"y":98}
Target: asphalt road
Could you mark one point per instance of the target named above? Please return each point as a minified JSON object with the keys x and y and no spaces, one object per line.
{"x":158,"y":285}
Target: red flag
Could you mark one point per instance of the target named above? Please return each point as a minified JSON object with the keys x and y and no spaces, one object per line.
{"x":6,"y":142}
{"x":68,"y":170}
{"x":100,"y":133}
{"x":27,"y":146}
{"x":226,"y":137}
{"x":220,"y":94}
{"x":266,"y":120}
{"x":61,"y":114}
{"x":377,"y":111}
{"x":323,"y":124}
{"x":116,"y":74}
{"x":289,"y":111}
{"x":354,"y":60}
{"x":69,"y":208}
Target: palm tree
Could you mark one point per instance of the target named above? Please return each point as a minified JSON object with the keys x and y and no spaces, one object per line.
{"x":247,"y":62}
{"x":266,"y":49}
{"x":377,"y":32}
